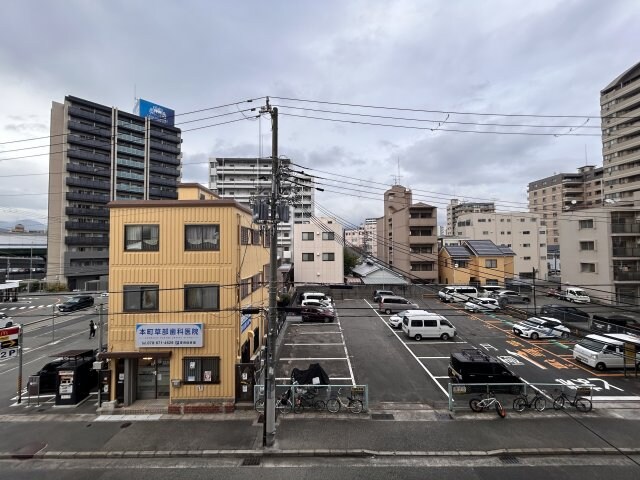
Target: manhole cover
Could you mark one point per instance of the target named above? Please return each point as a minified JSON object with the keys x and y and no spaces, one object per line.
{"x":509,"y":459}
{"x":251,"y":462}
{"x":381,"y":416}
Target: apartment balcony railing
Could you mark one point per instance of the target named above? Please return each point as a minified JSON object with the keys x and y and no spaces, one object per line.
{"x":78,"y":112}
{"x":89,"y":142}
{"x":164,"y":158}
{"x":86,"y":197}
{"x":164,"y":170}
{"x":165,"y":136}
{"x":625,"y":228}
{"x":84,"y":155}
{"x":69,"y":240}
{"x":100,"y":171}
{"x":626,"y":276}
{"x":164,"y":146}
{"x":85,"y":183}
{"x":92,"y":129}
{"x":626,"y":251}
{"x":87,"y":212}
{"x":97,"y":227}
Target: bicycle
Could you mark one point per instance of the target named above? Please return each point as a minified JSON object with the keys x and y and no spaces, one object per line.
{"x":307,"y":399}
{"x":538,"y":401}
{"x":283,"y":404}
{"x":582,"y":404}
{"x":353,"y":404}
{"x":486,"y":402}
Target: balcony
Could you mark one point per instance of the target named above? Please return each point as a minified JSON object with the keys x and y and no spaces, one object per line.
{"x":154,"y":193}
{"x":98,"y":171}
{"x":130,"y":150}
{"x":131,"y":138}
{"x":173,"y":172}
{"x":131,"y":126}
{"x":84,"y":155}
{"x":92,"y":129}
{"x":626,"y":276}
{"x":94,"y":227}
{"x":130,"y":163}
{"x":164,"y":158}
{"x":90,"y":142}
{"x":163,"y":181}
{"x":625,"y":228}
{"x":165,"y":136}
{"x":86,"y":183}
{"x":87,"y":197}
{"x":131,"y":176}
{"x":164,"y":146}
{"x":87,"y":212}
{"x":78,"y":112}
{"x":626,"y":252}
{"x":98,"y":241}
{"x":129,"y":188}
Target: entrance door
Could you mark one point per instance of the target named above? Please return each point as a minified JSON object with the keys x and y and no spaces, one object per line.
{"x":153,"y":378}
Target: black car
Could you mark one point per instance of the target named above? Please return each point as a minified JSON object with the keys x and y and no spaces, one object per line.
{"x":615,"y":324}
{"x":48,"y":375}
{"x":506,"y":297}
{"x":564,"y":313}
{"x":475,"y":366}
{"x":317,"y":314}
{"x":76,"y":303}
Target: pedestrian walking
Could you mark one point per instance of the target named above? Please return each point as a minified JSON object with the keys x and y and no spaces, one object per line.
{"x":92,"y":329}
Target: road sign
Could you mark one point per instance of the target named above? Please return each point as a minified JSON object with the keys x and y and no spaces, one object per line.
{"x":7,"y":353}
{"x":10,"y":333}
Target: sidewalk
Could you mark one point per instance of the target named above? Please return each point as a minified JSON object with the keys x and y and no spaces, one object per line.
{"x":410,"y":433}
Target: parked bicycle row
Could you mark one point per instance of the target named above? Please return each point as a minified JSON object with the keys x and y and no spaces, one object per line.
{"x":537,"y":398}
{"x":316,"y":398}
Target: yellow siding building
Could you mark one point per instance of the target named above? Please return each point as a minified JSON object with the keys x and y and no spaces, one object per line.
{"x":180,"y":272}
{"x":475,"y":262}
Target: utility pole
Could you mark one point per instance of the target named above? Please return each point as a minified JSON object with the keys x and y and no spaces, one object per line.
{"x":100,"y":327}
{"x":534,"y":292}
{"x":53,"y":324}
{"x":269,"y":421}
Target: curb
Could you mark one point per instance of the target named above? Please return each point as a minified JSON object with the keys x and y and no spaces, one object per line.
{"x":274,"y":453}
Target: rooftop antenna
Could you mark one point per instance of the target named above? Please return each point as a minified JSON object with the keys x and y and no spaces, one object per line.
{"x":586,"y":159}
{"x":397,"y":178}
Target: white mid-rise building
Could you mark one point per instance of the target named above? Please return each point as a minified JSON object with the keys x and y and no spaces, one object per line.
{"x":318,"y":252}
{"x":245,"y":179}
{"x":364,"y":237}
{"x":519,"y":230}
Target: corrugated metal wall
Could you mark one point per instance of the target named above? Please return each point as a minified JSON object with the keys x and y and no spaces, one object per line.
{"x":171,"y":268}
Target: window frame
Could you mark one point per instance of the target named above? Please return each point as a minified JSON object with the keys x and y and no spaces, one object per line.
{"x":188,"y":226}
{"x":490,"y":263}
{"x":306,"y":235}
{"x":200,"y":366}
{"x":142,"y":227}
{"x":189,"y":287}
{"x":128,"y":289}
{"x":328,"y":235}
{"x":305,"y":257}
{"x":329,"y":257}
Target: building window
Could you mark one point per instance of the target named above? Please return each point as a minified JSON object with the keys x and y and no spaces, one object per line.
{"x":307,"y":236}
{"x":307,"y":257}
{"x":202,"y":297}
{"x":526,"y":244}
{"x":491,"y":263}
{"x":201,"y":369}
{"x":202,"y":237}
{"x":245,"y":287}
{"x":526,"y":232}
{"x":328,"y":236}
{"x":526,"y":258}
{"x":588,"y":245}
{"x":328,"y":257}
{"x":485,"y":232}
{"x":586,"y":223}
{"x":141,"y":238}
{"x":140,"y":298}
{"x":588,"y":268}
{"x":245,"y":238}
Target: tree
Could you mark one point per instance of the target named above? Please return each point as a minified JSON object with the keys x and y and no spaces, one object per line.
{"x":350,"y":260}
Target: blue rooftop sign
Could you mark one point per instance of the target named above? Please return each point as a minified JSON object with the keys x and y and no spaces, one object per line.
{"x":158,"y":113}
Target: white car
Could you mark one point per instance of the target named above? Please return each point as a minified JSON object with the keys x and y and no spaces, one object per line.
{"x":312,"y":302}
{"x":482,"y":304}
{"x":541,"y":327}
{"x":395,"y":321}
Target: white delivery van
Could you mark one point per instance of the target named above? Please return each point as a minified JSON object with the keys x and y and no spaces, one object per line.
{"x":429,"y":325}
{"x":602,"y":352}
{"x":460,"y":293}
{"x":575,"y":294}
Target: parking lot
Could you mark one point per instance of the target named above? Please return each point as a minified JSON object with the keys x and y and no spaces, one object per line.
{"x":361,"y":348}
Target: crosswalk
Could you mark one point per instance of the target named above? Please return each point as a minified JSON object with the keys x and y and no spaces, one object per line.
{"x":25,"y":307}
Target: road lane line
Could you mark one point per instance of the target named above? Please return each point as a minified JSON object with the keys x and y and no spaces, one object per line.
{"x":346,"y":353}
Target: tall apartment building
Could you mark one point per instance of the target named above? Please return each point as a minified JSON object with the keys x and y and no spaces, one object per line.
{"x":456,"y":208}
{"x":407,"y":237}
{"x":601,"y":251}
{"x":521,"y":231}
{"x":318,"y":253}
{"x":620,"y":112}
{"x":244,"y":179}
{"x":99,"y":154}
{"x":551,"y":196}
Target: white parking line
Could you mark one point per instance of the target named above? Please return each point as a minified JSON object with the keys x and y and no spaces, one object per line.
{"x":429,"y":358}
{"x":432,"y":342}
{"x":310,"y":344}
{"x":316,"y":333}
{"x":410,"y":352}
{"x":313,"y":358}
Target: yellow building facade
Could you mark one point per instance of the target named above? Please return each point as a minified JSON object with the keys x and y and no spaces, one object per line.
{"x":180,"y":274}
{"x":475,"y":262}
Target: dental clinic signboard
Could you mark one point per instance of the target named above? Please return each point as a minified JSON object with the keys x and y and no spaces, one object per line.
{"x":158,"y":113}
{"x":169,"y":335}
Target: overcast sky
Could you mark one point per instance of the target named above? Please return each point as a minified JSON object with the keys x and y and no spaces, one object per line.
{"x":498,"y":57}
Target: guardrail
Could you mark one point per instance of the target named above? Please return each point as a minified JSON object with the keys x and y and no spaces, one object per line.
{"x":309,"y":395}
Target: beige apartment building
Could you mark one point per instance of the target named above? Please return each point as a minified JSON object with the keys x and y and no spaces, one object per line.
{"x":181,"y":272}
{"x":620,"y":110}
{"x":520,"y":231}
{"x":601,"y":252}
{"x":318,"y":252}
{"x":364,"y":237}
{"x":407,"y":236}
{"x":551,"y":196}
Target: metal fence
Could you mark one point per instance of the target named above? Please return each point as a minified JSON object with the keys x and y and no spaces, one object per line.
{"x":314,"y":398}
{"x":460,"y":394}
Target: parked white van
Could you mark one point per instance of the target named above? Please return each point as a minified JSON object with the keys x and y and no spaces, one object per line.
{"x":457,"y":293}
{"x":605,"y":352}
{"x":430,"y":325}
{"x":575,"y":294}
